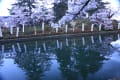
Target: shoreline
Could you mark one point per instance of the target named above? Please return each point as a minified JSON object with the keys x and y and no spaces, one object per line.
{"x":54,"y":36}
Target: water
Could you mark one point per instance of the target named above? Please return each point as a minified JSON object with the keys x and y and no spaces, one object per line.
{"x":70,"y":58}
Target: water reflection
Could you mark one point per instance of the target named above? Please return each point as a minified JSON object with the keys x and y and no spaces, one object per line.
{"x":34,"y":63}
{"x":77,"y":58}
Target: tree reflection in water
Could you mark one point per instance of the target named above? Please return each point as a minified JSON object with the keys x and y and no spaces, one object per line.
{"x":66,"y":64}
{"x":34,"y":63}
{"x":77,"y":57}
{"x":88,"y":62}
{"x":1,"y":59}
{"x":77,"y":62}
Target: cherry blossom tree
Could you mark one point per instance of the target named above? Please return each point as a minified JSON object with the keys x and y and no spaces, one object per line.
{"x":32,"y":11}
{"x":42,"y":12}
{"x":22,"y":10}
{"x":88,"y":9}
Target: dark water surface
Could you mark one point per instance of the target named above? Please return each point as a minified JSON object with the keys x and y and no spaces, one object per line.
{"x":76,"y":58}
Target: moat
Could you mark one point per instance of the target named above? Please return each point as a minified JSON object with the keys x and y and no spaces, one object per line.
{"x":67,"y":58}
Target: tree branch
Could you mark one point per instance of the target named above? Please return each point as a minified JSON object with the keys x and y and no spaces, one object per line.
{"x":86,"y":3}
